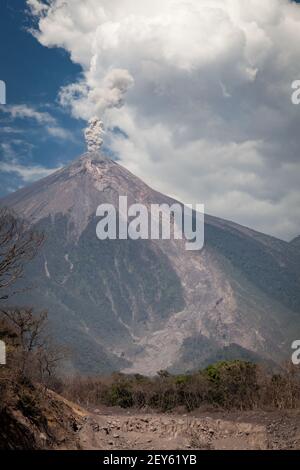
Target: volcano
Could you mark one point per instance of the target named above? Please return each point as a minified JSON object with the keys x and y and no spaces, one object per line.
{"x":141,"y":306}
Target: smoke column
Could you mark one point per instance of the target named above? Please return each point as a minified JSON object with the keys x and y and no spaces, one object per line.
{"x":94,"y":134}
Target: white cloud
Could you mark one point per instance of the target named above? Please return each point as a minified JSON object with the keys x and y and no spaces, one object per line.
{"x":10,"y":130}
{"x":202,"y":90}
{"x":23,"y":111}
{"x":60,"y":133}
{"x":12,"y":162}
{"x":42,"y":118}
{"x":27,"y":173}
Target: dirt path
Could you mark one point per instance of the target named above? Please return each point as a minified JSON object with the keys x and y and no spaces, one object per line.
{"x":173,"y":432}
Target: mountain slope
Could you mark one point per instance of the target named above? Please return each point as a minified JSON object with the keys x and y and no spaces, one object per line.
{"x":295,"y":243}
{"x":141,"y":306}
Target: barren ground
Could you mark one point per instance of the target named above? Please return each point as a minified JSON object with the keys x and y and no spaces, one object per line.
{"x":109,"y":428}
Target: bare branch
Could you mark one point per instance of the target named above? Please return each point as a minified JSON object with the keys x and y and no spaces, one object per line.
{"x":18,"y":245}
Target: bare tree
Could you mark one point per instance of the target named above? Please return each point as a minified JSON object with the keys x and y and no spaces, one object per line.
{"x":37,"y":356}
{"x":30,"y":331}
{"x":32,"y":352}
{"x":48,"y":359}
{"x":18,"y":245}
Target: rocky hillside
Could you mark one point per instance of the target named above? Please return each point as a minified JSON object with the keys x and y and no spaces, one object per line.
{"x":141,"y":306}
{"x":39,"y":419}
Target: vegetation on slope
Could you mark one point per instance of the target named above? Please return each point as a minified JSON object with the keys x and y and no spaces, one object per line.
{"x":227,"y":384}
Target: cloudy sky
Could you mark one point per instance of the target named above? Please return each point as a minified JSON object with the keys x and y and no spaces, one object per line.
{"x":195,"y":96}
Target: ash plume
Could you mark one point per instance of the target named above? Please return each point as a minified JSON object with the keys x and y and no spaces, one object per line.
{"x":94,"y":134}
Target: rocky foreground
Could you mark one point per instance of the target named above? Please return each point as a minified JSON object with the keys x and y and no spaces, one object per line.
{"x":244,"y":431}
{"x":62,"y":425}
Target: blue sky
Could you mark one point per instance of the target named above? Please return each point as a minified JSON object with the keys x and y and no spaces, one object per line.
{"x":200,"y":94}
{"x":33,"y":75}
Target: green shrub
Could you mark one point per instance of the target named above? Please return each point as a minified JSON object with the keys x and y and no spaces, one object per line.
{"x":226,"y":384}
{"x":119,"y":394}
